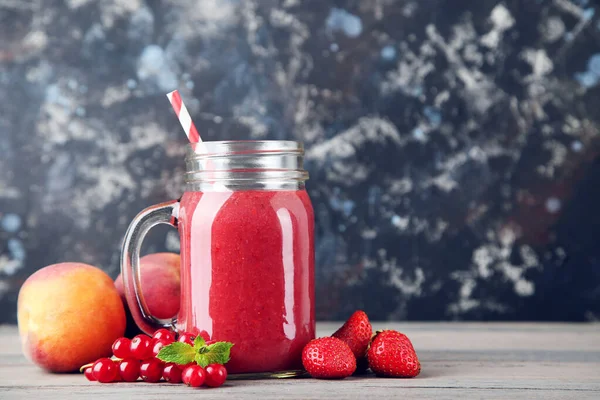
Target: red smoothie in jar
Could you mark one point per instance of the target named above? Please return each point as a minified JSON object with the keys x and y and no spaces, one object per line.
{"x":250,"y":255}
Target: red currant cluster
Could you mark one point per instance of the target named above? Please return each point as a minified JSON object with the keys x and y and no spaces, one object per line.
{"x":136,"y":358}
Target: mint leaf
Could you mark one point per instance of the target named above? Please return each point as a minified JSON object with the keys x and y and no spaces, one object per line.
{"x":202,"y":360}
{"x":218,"y":353}
{"x":199,"y":342}
{"x":177,"y":352}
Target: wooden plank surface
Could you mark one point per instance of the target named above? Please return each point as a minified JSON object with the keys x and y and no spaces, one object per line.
{"x":460,"y":360}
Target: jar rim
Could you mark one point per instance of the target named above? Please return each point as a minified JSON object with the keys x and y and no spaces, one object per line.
{"x":228,"y":147}
{"x":246,"y":164}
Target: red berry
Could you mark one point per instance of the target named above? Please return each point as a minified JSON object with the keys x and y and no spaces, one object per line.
{"x":164,"y":335}
{"x":172,"y":373}
{"x":187,"y":337}
{"x":328,"y":358}
{"x":129,"y":369}
{"x":187,"y":372}
{"x":157,"y":345}
{"x":183,"y":367}
{"x":89,"y":374}
{"x":392,"y":354}
{"x":151,"y":370}
{"x":121,"y":346}
{"x":216,"y":374}
{"x":104,"y":370}
{"x":195,"y":375}
{"x":141,"y":347}
{"x":356,"y":333}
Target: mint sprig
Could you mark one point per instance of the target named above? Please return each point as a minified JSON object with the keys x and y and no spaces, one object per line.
{"x":178,"y":353}
{"x":200,"y":352}
{"x":216,"y":353}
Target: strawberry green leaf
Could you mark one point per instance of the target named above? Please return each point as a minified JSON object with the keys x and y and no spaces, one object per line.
{"x":177,"y":352}
{"x":199,"y":342}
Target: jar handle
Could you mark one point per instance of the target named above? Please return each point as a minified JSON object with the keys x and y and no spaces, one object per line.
{"x":164,"y":213}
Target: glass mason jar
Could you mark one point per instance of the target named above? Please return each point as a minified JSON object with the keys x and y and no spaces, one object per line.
{"x":246,"y":226}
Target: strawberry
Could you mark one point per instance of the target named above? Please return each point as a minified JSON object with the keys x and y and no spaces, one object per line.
{"x":392,"y":354}
{"x":356,"y":333}
{"x":328,"y":358}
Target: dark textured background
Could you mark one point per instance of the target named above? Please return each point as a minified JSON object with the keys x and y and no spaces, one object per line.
{"x":452,"y":145}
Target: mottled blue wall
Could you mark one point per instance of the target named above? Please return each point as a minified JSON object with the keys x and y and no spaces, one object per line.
{"x":452,"y":145}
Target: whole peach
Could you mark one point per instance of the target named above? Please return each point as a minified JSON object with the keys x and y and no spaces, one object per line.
{"x":69,"y":314}
{"x":160,"y":284}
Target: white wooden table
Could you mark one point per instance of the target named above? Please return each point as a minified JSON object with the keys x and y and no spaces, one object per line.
{"x":459,"y":361}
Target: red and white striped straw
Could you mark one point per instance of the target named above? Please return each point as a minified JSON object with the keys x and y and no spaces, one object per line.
{"x":191,"y":132}
{"x":184,"y":117}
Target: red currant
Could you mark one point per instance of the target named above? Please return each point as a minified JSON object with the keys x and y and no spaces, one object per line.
{"x":141,"y":347}
{"x":164,"y":335}
{"x":182,"y":367}
{"x":172,"y":373}
{"x":151,"y":370}
{"x":129,"y":369}
{"x":104,"y":370}
{"x":157,"y":345}
{"x":120,"y":347}
{"x":186,"y":373}
{"x":89,"y":374}
{"x":186,"y":337}
{"x":216,"y":374}
{"x":195,"y":375}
